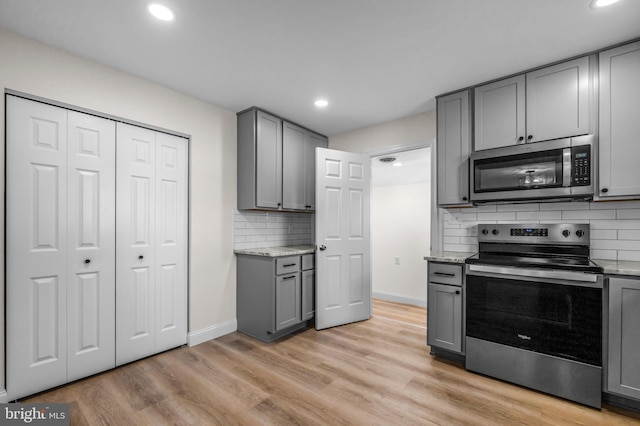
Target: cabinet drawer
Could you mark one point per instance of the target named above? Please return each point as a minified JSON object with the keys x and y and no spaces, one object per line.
{"x":308,"y":261}
{"x":444,"y":273}
{"x":285,"y":265}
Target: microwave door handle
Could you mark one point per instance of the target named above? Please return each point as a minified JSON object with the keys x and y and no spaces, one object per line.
{"x":566,"y":167}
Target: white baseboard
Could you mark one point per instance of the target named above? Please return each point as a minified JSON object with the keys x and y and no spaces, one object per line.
{"x":213,"y":332}
{"x":398,"y":298}
{"x":4,"y":398}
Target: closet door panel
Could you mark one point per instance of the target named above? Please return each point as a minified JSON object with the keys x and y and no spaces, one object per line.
{"x":36,"y":246}
{"x":135,"y":240}
{"x":91,"y":245}
{"x":171,"y":243}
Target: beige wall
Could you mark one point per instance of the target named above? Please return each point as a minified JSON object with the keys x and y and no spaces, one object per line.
{"x":413,"y":130}
{"x":43,"y":71}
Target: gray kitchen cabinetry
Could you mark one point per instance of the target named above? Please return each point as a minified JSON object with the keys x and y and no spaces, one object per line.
{"x":548,"y":103}
{"x":445,"y":325}
{"x":619,"y":126}
{"x":623,"y":374}
{"x":298,"y":159}
{"x":276,"y":163}
{"x":308,"y":287}
{"x":273,"y":295}
{"x":453,"y":148}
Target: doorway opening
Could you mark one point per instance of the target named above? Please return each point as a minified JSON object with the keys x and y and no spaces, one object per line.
{"x":400,"y":225}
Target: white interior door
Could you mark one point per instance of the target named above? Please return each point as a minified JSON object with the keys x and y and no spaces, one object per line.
{"x":343,"y":258}
{"x":135,"y":239}
{"x":36,"y":242}
{"x":91,"y":244}
{"x":171,"y":241}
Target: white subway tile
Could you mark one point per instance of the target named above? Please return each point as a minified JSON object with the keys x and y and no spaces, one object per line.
{"x":486,"y":208}
{"x":245,"y":231}
{"x":496,"y":216}
{"x":588,"y":214}
{"x":629,"y":255}
{"x":538,"y":215}
{"x":241,"y":246}
{"x":616,"y":205}
{"x":630,"y":234}
{"x":604,"y":234}
{"x":604,"y":254}
{"x":469,"y":241}
{"x":615,"y":224}
{"x":629,"y":214}
{"x":451,"y":240}
{"x":565,"y":206}
{"x":455,"y":232}
{"x":519,"y":207}
{"x":615,"y":244}
{"x":468,"y":216}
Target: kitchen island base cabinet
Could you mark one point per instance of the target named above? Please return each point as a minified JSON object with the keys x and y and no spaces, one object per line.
{"x":445,"y":308}
{"x":274,"y":295}
{"x":623,"y":373}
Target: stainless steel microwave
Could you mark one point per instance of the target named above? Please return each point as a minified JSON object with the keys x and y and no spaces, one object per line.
{"x":555,"y":170}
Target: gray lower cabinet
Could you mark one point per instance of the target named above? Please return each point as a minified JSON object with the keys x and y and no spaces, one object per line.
{"x":274,"y":295}
{"x":445,"y":326}
{"x":623,"y":374}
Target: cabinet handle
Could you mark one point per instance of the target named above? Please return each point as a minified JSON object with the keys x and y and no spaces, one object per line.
{"x":289,"y":278}
{"x":605,"y":190}
{"x":288,"y":265}
{"x":521,"y":138}
{"x":87,"y":261}
{"x":529,"y":137}
{"x":464,"y":198}
{"x":444,"y":274}
{"x":140,"y":257}
{"x":457,"y":291}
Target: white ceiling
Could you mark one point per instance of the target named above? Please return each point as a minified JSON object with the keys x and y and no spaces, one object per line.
{"x":415,"y":168}
{"x":374,"y":60}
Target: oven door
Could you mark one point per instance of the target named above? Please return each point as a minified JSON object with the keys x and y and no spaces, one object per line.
{"x":557,"y":313}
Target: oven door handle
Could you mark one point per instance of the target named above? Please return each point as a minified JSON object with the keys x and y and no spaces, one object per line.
{"x":584,"y":279}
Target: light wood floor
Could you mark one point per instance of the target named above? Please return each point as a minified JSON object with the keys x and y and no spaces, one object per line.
{"x":376,"y":372}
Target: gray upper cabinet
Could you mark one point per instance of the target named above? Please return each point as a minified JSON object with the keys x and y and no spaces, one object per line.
{"x":298,"y":186}
{"x":259,"y":160}
{"x":453,"y":148}
{"x":619,"y":150}
{"x":500,"y":113}
{"x":547,"y":103}
{"x":623,"y":374}
{"x":276,"y":163}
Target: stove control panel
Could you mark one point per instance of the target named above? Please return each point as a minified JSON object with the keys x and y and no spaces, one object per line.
{"x":557,"y":233}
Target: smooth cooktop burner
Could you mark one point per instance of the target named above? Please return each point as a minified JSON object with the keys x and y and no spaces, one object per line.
{"x":545,"y":262}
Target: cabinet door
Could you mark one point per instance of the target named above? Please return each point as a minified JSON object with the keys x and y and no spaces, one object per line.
{"x":444,"y":317}
{"x":313,"y":141}
{"x":287,"y":301}
{"x":558,"y":101}
{"x":91,"y":243}
{"x":37,"y":247}
{"x":624,"y":337}
{"x":293,"y":162}
{"x":500,"y":113}
{"x":453,"y":148}
{"x":619,"y":150}
{"x":308,"y":292}
{"x":268,"y":161}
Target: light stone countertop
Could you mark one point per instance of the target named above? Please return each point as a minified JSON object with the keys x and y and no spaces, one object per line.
{"x":448,"y":256}
{"x":619,"y":267}
{"x":279,"y":251}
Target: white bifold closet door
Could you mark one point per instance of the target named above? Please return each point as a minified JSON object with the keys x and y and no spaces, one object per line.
{"x":60,"y":273}
{"x":151,"y":234}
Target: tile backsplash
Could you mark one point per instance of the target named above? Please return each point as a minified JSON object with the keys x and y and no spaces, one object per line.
{"x":254,"y":229}
{"x":615,"y":225}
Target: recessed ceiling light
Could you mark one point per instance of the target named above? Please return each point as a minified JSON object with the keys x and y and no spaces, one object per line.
{"x":397,"y":164}
{"x":321,"y":103}
{"x":597,"y":4}
{"x":161,"y":12}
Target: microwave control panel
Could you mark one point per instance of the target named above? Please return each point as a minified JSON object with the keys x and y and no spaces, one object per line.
{"x":581,"y":167}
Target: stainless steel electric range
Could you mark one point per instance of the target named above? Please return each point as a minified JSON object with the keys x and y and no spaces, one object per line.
{"x":534,"y":309}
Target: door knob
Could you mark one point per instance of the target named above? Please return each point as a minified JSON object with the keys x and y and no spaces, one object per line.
{"x":323,"y":248}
